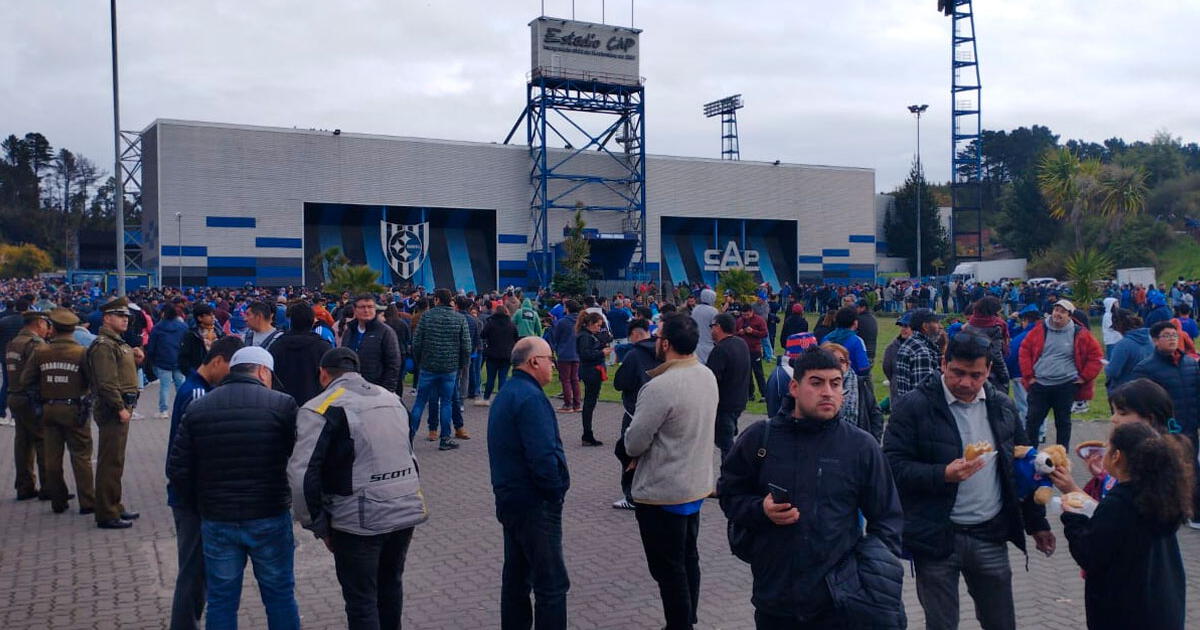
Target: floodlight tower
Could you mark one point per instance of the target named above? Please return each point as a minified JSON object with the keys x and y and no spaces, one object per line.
{"x":727,"y":108}
{"x":585,"y":79}
{"x":966,"y":151}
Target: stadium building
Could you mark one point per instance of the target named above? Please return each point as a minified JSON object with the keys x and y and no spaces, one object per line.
{"x":228,"y":205}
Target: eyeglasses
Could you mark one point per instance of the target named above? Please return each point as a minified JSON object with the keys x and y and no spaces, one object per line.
{"x":1167,"y":335}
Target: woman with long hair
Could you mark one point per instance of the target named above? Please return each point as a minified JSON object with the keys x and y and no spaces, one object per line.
{"x":1127,"y":548}
{"x":592,"y":353}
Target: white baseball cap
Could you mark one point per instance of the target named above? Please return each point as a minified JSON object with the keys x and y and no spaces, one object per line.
{"x":253,"y":355}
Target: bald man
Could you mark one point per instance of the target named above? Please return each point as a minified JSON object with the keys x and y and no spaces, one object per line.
{"x":529,"y":479}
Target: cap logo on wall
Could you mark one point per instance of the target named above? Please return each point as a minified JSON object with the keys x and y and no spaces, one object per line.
{"x":730,"y":258}
{"x":404,"y":246}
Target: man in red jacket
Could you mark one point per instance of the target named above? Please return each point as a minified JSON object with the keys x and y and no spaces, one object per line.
{"x":752,"y":328}
{"x":1059,"y":362}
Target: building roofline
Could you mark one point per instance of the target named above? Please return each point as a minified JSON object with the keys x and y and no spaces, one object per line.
{"x":443,"y":141}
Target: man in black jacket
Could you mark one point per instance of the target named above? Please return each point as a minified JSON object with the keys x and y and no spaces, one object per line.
{"x":199,"y":338}
{"x":639,"y":359}
{"x":376,"y":345}
{"x":729,"y":361}
{"x":297,"y":354}
{"x":830,"y":472}
{"x":958,"y":514}
{"x":229,"y":462}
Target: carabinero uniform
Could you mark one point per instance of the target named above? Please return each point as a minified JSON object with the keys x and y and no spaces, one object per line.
{"x":114,"y":382}
{"x":27,"y":438}
{"x":58,"y":374}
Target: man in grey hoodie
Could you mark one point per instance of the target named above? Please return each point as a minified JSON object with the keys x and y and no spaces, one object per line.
{"x":703,"y":314}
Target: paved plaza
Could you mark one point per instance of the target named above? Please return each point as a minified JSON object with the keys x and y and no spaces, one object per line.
{"x":61,"y":572}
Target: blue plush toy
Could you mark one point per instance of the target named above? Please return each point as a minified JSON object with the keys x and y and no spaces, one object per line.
{"x":1032,"y":468}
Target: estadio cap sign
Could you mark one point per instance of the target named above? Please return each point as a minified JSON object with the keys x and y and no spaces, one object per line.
{"x":573,"y":49}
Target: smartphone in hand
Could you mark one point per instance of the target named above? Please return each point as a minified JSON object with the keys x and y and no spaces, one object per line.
{"x":779,"y":494}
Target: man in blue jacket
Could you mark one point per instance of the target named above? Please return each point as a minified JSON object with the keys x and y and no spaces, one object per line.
{"x":530,"y":480}
{"x":163,"y":352}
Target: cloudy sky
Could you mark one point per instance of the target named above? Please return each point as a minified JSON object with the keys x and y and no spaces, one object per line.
{"x":823,"y":82}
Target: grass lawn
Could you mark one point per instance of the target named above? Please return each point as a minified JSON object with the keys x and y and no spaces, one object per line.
{"x":888,"y":330}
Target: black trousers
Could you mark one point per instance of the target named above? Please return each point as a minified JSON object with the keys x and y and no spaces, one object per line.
{"x":670,"y":544}
{"x":830,"y":620}
{"x":1043,"y":398}
{"x":726,"y":430}
{"x":757,"y":370}
{"x":371,"y":570}
{"x":533,"y":559}
{"x":590,"y":377}
{"x":624,"y":458}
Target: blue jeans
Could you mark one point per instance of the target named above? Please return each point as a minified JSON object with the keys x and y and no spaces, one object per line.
{"x":476,"y":375}
{"x":442,"y":386}
{"x":269,"y":544}
{"x":165,"y":377}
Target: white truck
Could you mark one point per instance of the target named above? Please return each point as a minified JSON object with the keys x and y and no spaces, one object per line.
{"x":991,"y":270}
{"x":1135,"y":276}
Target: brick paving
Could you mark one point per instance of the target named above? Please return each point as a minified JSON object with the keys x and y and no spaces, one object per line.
{"x":61,"y":572}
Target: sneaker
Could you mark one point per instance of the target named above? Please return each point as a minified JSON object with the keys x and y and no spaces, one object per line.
{"x":482,"y":402}
{"x":447,"y":445}
{"x":162,"y":415}
{"x":592,"y":442}
{"x":565,"y":409}
{"x":7,"y":421}
{"x":1194,"y":524}
{"x":622,"y":504}
{"x":433,"y":436}
{"x":462,"y":434}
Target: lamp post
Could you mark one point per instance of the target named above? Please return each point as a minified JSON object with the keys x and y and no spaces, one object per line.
{"x":119,"y":193}
{"x":179,"y":244}
{"x":918,"y":110}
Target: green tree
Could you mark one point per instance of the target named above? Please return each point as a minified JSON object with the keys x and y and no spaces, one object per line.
{"x":572,"y":276}
{"x":900,"y":224}
{"x":1024,"y":223}
{"x":739,"y":283}
{"x":354,"y":278}
{"x":1086,"y":269}
{"x":23,"y":261}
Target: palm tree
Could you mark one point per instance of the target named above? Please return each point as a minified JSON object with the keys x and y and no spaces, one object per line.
{"x":1123,"y":193}
{"x":353,"y":278}
{"x":1068,"y":184}
{"x":328,"y":260}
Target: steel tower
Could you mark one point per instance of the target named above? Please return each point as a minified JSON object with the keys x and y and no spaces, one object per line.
{"x":966,"y":152}
{"x":727,"y":108}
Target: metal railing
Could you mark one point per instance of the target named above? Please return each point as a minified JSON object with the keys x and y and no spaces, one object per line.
{"x":550,"y":72}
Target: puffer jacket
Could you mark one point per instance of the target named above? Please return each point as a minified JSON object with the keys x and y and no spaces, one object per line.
{"x":442,"y":342}
{"x":353,"y":468}
{"x":1088,"y":356}
{"x":378,"y":352}
{"x":229,"y":458}
{"x":834,"y":471}
{"x":922,"y":437}
{"x":1179,"y":374}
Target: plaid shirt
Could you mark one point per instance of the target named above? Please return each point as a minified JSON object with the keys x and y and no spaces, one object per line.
{"x":849,"y":411}
{"x":917,"y":358}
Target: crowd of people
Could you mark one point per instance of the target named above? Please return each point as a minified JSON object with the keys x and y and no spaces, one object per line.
{"x":289,"y":403}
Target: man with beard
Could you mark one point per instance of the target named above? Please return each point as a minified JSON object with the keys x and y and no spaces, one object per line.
{"x":799,"y":510}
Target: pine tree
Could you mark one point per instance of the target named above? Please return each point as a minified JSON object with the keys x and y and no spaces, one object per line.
{"x":900,"y":225}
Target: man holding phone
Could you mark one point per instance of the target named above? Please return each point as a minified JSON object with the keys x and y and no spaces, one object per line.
{"x":797,"y":484}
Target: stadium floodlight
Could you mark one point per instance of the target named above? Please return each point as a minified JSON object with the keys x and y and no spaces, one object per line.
{"x":723,"y":106}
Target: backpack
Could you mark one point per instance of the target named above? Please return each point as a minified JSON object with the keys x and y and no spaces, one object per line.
{"x":741,"y":540}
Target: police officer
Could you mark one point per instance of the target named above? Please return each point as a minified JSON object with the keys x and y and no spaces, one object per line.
{"x":57,"y":379}
{"x":27,"y":439}
{"x":112,"y":367}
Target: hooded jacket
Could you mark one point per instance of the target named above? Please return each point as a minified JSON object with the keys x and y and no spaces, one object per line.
{"x":703,"y":314}
{"x":527,"y":320}
{"x":297,"y":357}
{"x":1134,"y":347}
{"x":166,"y":340}
{"x":633,"y":373}
{"x":1110,"y":335}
